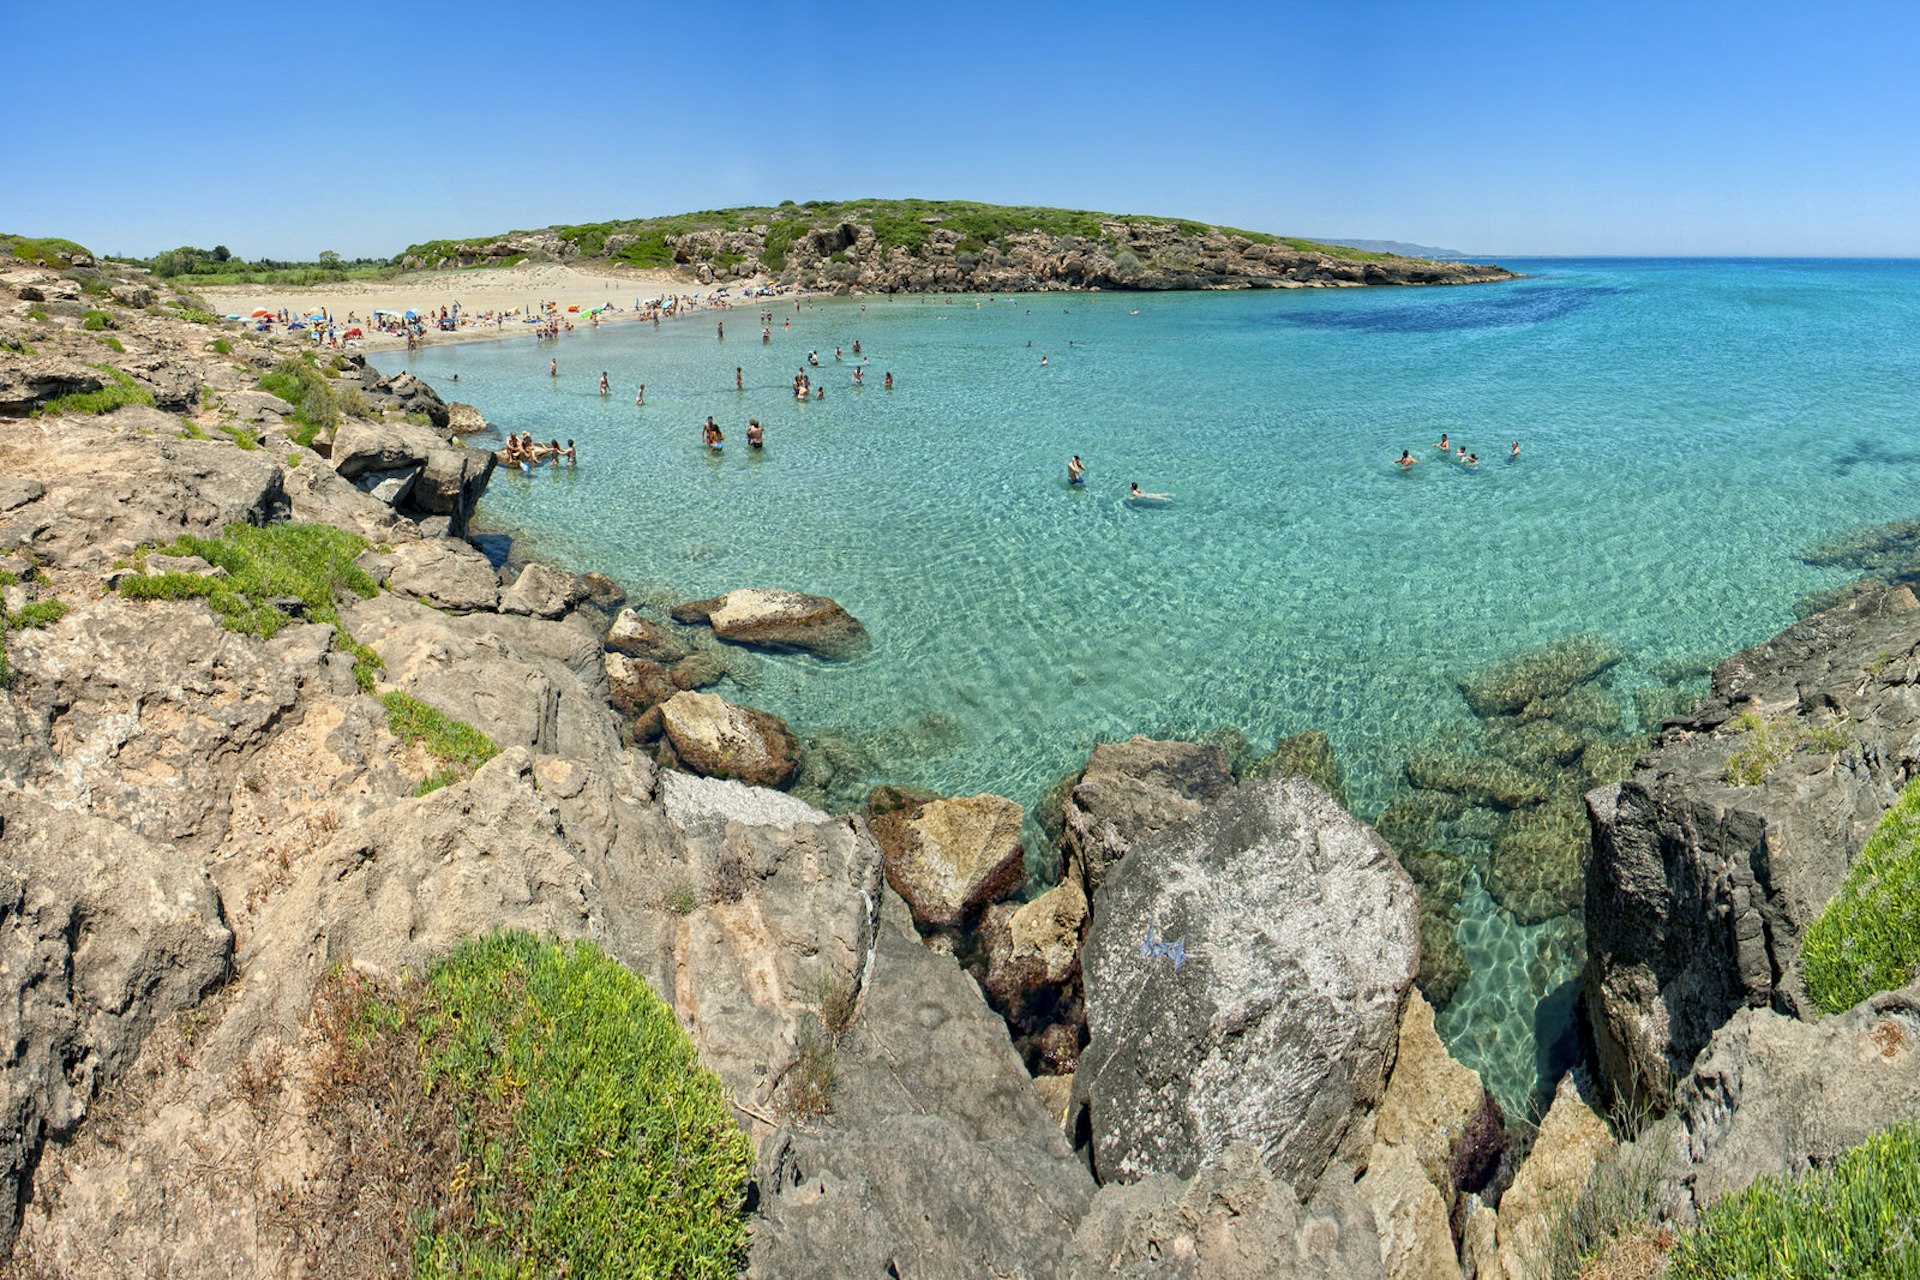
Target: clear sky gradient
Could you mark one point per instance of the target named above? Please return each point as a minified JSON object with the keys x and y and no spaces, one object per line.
{"x":1505,"y":127}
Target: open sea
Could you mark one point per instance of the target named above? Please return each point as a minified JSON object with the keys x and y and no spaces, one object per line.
{"x":1686,"y":428}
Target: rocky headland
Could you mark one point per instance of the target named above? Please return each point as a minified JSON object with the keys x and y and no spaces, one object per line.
{"x":926,"y":246}
{"x":273,"y":720}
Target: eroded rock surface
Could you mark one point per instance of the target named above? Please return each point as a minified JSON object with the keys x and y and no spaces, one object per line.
{"x":1708,"y":867}
{"x":1130,"y":790}
{"x":1245,"y":974}
{"x":779,"y":620}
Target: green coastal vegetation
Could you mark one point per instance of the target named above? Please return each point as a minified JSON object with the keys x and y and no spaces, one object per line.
{"x":906,"y":224}
{"x":532,"y":1108}
{"x":1859,"y":1218}
{"x":1868,"y":938}
{"x":643,"y":242}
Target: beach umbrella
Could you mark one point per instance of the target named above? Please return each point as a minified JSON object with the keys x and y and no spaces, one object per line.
{"x":411,"y":315}
{"x":261,"y":312}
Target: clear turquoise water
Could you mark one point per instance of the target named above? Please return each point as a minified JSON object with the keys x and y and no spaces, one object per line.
{"x":1686,"y":427}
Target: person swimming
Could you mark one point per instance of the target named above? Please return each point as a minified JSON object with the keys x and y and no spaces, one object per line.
{"x":1442,"y":446}
{"x":1515,"y":451}
{"x":1134,"y":495}
{"x":1076,"y":470}
{"x":1406,"y":459}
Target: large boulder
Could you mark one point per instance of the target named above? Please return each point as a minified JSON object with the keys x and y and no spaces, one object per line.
{"x":950,"y":858}
{"x":28,"y":382}
{"x":1245,"y":974}
{"x":779,"y":620}
{"x":640,"y":637}
{"x":445,"y":573}
{"x":406,"y":393}
{"x":1132,"y":789}
{"x":544,"y":592}
{"x":1714,"y":857}
{"x":717,"y":739}
{"x":104,"y":932}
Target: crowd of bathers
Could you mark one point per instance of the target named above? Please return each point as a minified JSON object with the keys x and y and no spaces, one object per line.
{"x":1455,"y":453}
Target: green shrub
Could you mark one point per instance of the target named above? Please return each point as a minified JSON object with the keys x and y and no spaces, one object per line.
{"x":120,"y":390}
{"x":50,"y":251}
{"x":222,"y":345}
{"x":311,"y":562}
{"x":597,"y":1144}
{"x":113,"y":344}
{"x":40,"y":613}
{"x":454,"y":741}
{"x":1861,"y":1218}
{"x":240,"y":436}
{"x":1868,"y":938}
{"x":37,"y":312}
{"x":94,"y":321}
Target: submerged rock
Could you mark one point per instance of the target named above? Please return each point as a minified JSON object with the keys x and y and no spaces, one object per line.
{"x":779,"y":620}
{"x":1476,"y":779}
{"x":717,"y":739}
{"x":1441,"y":879}
{"x":1306,"y":755}
{"x":1244,"y":975}
{"x":1508,"y":685}
{"x":950,"y":858}
{"x":640,"y":637}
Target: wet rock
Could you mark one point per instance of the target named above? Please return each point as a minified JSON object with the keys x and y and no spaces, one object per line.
{"x":950,"y":858}
{"x":637,"y":684}
{"x":1508,"y":685}
{"x":717,"y":739}
{"x":1306,"y":755}
{"x":1298,"y":936}
{"x":1699,"y":890}
{"x":779,"y":620}
{"x":640,"y":637}
{"x":1441,"y":879}
{"x":1132,"y":789}
{"x":696,"y":671}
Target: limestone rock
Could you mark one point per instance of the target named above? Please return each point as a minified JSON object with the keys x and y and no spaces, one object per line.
{"x":717,"y":739}
{"x":134,"y":295}
{"x":1699,"y":890}
{"x":1232,"y":1220}
{"x":1773,"y":1096}
{"x":544,"y":592}
{"x":446,"y":573}
{"x":636,"y":684}
{"x":1430,"y":1099}
{"x":1410,"y":1216}
{"x":1571,"y":1142}
{"x":1132,"y":789}
{"x":950,"y":858}
{"x":779,"y":620}
{"x":639,"y":637}
{"x":1245,"y":974}
{"x":104,"y":932}
{"x":937,"y":1156}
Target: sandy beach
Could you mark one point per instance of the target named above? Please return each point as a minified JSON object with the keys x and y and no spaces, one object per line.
{"x":477,"y":291}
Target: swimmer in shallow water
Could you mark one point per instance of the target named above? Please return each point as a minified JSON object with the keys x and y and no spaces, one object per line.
{"x":1076,"y":470}
{"x":1406,"y":460}
{"x":1134,"y":495}
{"x":1442,"y":446}
{"x":1515,"y":451}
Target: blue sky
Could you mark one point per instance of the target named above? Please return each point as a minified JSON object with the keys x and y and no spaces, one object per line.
{"x":1505,"y":127}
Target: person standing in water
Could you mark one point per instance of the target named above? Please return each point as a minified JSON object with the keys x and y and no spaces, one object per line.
{"x":1076,"y":470}
{"x":720,"y":330}
{"x":1442,"y":446}
{"x":603,"y":382}
{"x":889,"y":379}
{"x":739,"y":379}
{"x":553,"y":367}
{"x":1406,"y":460}
{"x":1514,"y":453}
{"x":640,"y":396}
{"x":756,"y":436}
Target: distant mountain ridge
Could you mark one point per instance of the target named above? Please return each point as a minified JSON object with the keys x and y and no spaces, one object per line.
{"x":1398,"y":248}
{"x":955,"y":245}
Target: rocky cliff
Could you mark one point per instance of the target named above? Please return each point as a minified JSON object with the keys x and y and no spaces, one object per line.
{"x":1712,"y":859}
{"x":921,"y":246}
